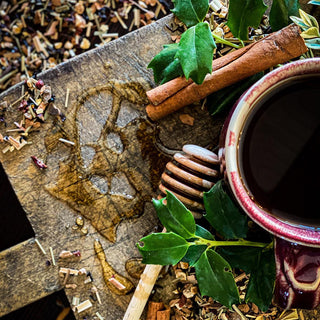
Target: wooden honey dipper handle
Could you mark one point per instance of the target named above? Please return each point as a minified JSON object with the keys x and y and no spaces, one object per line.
{"x":142,"y":292}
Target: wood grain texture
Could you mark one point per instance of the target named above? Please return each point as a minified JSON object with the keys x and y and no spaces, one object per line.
{"x":108,"y":177}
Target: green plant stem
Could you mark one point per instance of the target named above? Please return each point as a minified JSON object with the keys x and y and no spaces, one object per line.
{"x":240,"y":242}
{"x":226,"y":42}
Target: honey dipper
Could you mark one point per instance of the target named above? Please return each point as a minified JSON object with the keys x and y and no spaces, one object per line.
{"x":187,"y":176}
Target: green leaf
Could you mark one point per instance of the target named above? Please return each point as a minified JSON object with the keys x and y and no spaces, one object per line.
{"x":223,"y":100}
{"x":316,"y":2}
{"x":308,"y":19}
{"x":194,"y":253}
{"x":222,"y":213}
{"x":203,"y":233}
{"x":262,"y":279}
{"x":244,"y":14}
{"x":215,"y":278}
{"x":190,"y":12}
{"x":195,"y":52}
{"x":165,"y":66}
{"x":313,"y":43}
{"x":281,"y":11}
{"x":163,"y":248}
{"x":244,"y":258}
{"x":312,"y":32}
{"x":299,"y":22}
{"x":175,"y":216}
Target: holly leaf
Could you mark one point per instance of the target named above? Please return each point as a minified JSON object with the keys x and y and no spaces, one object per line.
{"x":163,"y":248}
{"x":262,"y":279}
{"x":165,"y":66}
{"x":223,"y":100}
{"x":280,"y":13}
{"x":203,"y":233}
{"x":244,"y":258}
{"x":223,"y":215}
{"x":244,"y":14}
{"x":215,"y":278}
{"x":190,"y":12}
{"x":195,"y":52}
{"x":193,"y":254}
{"x":175,"y":216}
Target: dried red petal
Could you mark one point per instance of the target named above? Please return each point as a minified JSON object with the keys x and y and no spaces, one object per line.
{"x":38,"y":162}
{"x":39,"y":84}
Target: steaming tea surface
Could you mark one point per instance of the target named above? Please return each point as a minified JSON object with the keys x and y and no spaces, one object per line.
{"x":279,"y":152}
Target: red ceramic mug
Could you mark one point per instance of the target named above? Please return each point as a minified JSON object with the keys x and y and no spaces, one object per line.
{"x":271,"y":149}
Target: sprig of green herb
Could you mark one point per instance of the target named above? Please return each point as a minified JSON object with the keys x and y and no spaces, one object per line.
{"x":310,"y":29}
{"x":193,"y":55}
{"x":211,"y":258}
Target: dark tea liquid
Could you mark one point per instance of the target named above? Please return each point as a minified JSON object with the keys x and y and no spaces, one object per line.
{"x":279,"y":152}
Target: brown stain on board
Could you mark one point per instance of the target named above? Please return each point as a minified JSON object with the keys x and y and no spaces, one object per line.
{"x":123,"y":172}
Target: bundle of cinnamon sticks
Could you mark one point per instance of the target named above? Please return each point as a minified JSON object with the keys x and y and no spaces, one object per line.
{"x":277,"y":48}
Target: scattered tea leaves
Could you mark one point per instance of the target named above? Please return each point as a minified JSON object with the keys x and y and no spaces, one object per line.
{"x":222,"y":213}
{"x":244,"y":14}
{"x":190,"y":12}
{"x":215,"y":278}
{"x":163,"y":248}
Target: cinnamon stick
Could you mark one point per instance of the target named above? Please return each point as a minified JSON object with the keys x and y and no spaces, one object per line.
{"x":163,"y":92}
{"x":279,"y":47}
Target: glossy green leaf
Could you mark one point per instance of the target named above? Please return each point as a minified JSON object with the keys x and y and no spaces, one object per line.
{"x":313,"y":43}
{"x":312,"y":32}
{"x":190,"y":12}
{"x":262,"y":279}
{"x":316,"y":2}
{"x":299,"y":22}
{"x":244,"y":258}
{"x":195,"y":52}
{"x":163,"y":248}
{"x":223,"y":100}
{"x":203,"y":233}
{"x":194,"y":253}
{"x":215,"y":278}
{"x":175,"y":217}
{"x":222,"y":213}
{"x":281,"y":11}
{"x":244,"y":14}
{"x":165,"y":66}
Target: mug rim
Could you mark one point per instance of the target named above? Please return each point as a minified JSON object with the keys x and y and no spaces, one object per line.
{"x":280,"y":228}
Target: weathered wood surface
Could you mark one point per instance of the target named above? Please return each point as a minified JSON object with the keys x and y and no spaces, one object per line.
{"x":108,"y":177}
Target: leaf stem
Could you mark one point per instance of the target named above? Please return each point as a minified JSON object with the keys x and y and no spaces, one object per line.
{"x":240,"y":242}
{"x":226,"y":42}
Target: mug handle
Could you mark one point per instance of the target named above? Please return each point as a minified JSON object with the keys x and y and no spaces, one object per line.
{"x":297,"y":275}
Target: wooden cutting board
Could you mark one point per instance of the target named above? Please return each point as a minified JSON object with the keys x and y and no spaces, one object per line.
{"x":107,"y":177}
